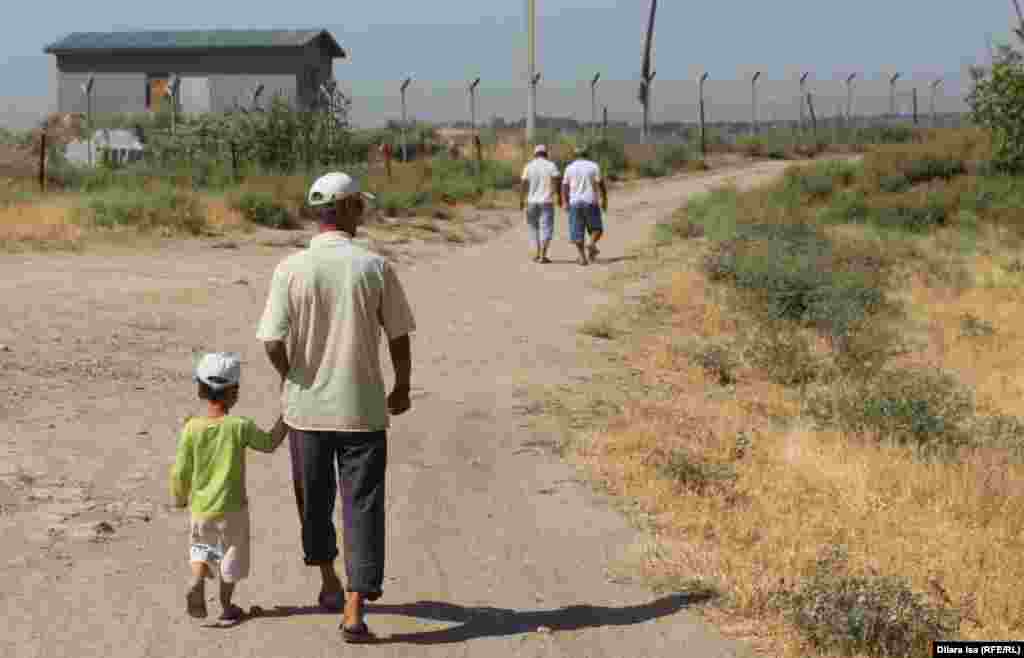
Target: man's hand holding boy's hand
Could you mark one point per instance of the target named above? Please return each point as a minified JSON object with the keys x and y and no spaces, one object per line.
{"x":399,"y":402}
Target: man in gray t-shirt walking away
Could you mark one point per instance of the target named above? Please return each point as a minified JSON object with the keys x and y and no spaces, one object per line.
{"x":537,"y":195}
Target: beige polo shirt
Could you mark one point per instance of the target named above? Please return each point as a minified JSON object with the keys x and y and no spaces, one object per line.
{"x":329,"y":304}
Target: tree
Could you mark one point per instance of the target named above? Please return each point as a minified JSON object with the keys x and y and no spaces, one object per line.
{"x":997,"y":103}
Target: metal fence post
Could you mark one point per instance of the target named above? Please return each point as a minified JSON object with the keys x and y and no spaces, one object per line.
{"x":42,"y":162}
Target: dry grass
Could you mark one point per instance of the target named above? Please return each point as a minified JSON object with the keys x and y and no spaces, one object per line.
{"x":744,"y":492}
{"x":46,"y":222}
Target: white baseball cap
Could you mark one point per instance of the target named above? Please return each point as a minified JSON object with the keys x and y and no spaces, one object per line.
{"x":219,"y":370}
{"x":334,"y":187}
{"x":540,"y":149}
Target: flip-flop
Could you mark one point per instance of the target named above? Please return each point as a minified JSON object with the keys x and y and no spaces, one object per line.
{"x":593,"y":251}
{"x":359,"y":634}
{"x":195,"y":603}
{"x":231,"y":616}
{"x":544,"y":261}
{"x":582,"y":261}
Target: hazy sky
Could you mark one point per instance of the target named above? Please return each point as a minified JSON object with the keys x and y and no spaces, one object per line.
{"x":446,"y":42}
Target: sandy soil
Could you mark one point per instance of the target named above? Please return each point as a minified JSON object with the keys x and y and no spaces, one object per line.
{"x":490,"y":535}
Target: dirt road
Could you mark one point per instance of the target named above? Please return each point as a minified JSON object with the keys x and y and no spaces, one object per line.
{"x":490,"y":537}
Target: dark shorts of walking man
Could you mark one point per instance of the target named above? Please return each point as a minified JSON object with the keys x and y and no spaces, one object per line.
{"x":321,"y":326}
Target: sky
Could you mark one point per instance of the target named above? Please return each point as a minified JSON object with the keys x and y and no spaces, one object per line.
{"x":445,"y":43}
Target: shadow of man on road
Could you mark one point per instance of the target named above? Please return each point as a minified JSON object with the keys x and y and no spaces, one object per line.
{"x":480,"y":622}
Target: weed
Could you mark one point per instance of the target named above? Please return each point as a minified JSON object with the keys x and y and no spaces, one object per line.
{"x":264,"y":209}
{"x":599,"y":328}
{"x":695,"y":475}
{"x":923,"y":409}
{"x":894,"y":183}
{"x":785,"y":356}
{"x":866,"y":615}
{"x":168,"y":210}
{"x":717,"y":362}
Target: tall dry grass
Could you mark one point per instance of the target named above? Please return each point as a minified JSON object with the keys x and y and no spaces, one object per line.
{"x":749,"y":491}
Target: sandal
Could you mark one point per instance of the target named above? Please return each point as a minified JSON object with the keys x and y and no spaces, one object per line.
{"x":195,"y":603}
{"x":359,"y":634}
{"x":232,"y":615}
{"x":593,"y":251}
{"x":582,"y":261}
{"x":544,"y":261}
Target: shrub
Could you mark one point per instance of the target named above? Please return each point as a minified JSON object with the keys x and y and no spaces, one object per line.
{"x":610,"y":153}
{"x":866,"y":615}
{"x":996,"y":100}
{"x":848,"y":206}
{"x":700,"y":477}
{"x":169,"y":210}
{"x":785,"y":356}
{"x":894,"y":183}
{"x":717,"y":362}
{"x":923,"y":409}
{"x":653,"y":169}
{"x":931,"y":168}
{"x":674,"y":156}
{"x":912,"y":218}
{"x":263,"y":208}
{"x":401,"y":203}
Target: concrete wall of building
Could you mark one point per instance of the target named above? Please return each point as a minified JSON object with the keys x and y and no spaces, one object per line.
{"x":112,"y":93}
{"x":294,"y":73}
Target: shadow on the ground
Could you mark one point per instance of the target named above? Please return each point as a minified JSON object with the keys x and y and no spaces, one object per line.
{"x":279,"y":611}
{"x":480,"y":622}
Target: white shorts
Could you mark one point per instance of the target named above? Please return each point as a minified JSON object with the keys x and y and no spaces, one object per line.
{"x":222,"y":542}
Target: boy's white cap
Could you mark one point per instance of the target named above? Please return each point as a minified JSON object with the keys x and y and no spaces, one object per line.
{"x":540,"y":149}
{"x":334,"y":187}
{"x":219,"y":370}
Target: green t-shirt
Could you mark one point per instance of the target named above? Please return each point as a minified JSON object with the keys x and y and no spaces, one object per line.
{"x":209,"y":470}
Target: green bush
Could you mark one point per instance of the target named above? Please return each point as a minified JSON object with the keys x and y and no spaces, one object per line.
{"x":653,"y":169}
{"x":887,"y":134}
{"x":264,"y":209}
{"x":168,"y":210}
{"x":865,"y":615}
{"x":790,"y":266}
{"x":674,"y":156}
{"x":914,"y":219}
{"x":848,"y":206}
{"x":931,"y":168}
{"x":996,"y":100}
{"x":610,"y":153}
{"x":401,"y":204}
{"x":924,"y":409}
{"x":894,"y":183}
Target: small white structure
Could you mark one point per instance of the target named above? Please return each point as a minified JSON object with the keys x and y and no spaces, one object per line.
{"x":123,"y":146}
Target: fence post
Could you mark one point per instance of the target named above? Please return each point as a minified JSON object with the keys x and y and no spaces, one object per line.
{"x":915,"y":106}
{"x":814,"y":118}
{"x":42,"y":162}
{"x":234,"y":161}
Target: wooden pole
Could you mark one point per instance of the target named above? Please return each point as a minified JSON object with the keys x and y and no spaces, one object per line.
{"x":915,"y":105}
{"x":703,"y":139}
{"x":42,"y":162}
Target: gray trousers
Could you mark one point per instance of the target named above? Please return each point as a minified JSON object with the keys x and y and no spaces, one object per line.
{"x":361,"y":462}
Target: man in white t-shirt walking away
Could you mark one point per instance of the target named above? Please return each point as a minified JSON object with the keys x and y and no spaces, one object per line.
{"x":580,"y":186}
{"x":537,"y":197}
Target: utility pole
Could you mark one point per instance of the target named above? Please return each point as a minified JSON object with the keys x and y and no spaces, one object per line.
{"x":892,"y":94}
{"x":646,"y":74}
{"x":405,"y":124}
{"x":87,"y":90}
{"x":593,"y":104}
{"x":935,"y":86}
{"x":803,"y":96}
{"x":534,"y":77}
{"x":753,"y":102}
{"x":700,"y":88}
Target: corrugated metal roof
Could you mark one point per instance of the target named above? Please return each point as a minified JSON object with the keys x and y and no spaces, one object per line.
{"x":192,"y":40}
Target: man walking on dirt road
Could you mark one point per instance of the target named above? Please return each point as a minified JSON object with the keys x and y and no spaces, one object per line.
{"x":537,"y":196}
{"x":321,"y":328}
{"x":580,"y":185}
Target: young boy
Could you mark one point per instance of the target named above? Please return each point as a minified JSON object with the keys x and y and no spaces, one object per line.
{"x":209,"y":473}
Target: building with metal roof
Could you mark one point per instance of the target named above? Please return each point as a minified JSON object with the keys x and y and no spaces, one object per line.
{"x":215,"y":70}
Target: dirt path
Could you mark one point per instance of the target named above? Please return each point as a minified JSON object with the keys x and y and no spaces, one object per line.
{"x":490,"y":536}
